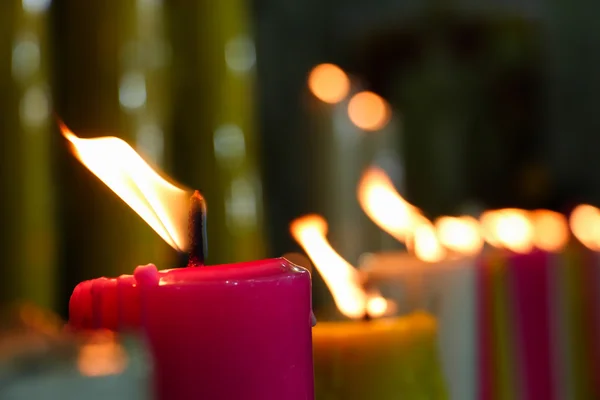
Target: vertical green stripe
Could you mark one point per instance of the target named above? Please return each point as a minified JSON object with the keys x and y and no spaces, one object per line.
{"x":504,"y":343}
{"x":216,"y":144}
{"x":27,"y":204}
{"x":573,"y":276}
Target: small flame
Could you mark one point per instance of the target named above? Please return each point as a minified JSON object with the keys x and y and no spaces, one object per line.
{"x":377,"y":306}
{"x":384,"y":205}
{"x":510,"y":228}
{"x":551,"y":231}
{"x":459,"y":234}
{"x":161,"y":204}
{"x":342,"y":279}
{"x":585,"y":225}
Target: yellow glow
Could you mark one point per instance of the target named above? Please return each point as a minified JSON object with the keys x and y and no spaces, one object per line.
{"x":329,"y":83}
{"x":369,"y":111}
{"x":459,"y":234}
{"x":551,"y":231}
{"x":509,"y":228}
{"x":585,"y":225}
{"x":487,"y":226}
{"x":101,"y":356}
{"x":426,"y":244}
{"x":342,"y":279}
{"x":382,"y":203}
{"x":377,"y":306}
{"x":161,"y":204}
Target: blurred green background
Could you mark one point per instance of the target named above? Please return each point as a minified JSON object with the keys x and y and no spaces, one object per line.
{"x":493,"y":104}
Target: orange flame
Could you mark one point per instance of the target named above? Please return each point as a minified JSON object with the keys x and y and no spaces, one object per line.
{"x":459,"y":234}
{"x":551,"y":231}
{"x":585,"y":225}
{"x":426,"y":245}
{"x":161,"y":204}
{"x":510,"y":228}
{"x":384,"y":205}
{"x":342,"y":279}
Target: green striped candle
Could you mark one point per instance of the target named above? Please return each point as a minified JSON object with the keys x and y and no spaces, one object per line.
{"x":28,"y":199}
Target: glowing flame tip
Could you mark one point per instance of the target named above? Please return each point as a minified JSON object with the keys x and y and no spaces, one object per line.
{"x":342,"y":279}
{"x":160,"y":203}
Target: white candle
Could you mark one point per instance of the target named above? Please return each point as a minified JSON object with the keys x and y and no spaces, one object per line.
{"x":447,"y":289}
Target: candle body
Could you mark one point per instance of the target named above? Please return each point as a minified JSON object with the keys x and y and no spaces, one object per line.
{"x":546,"y":305}
{"x":380,"y":359}
{"x":240,"y":331}
{"x":524,"y":325}
{"x":446,"y":289}
{"x":27,"y":151}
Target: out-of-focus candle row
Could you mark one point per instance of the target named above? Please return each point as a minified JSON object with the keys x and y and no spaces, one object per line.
{"x":520,"y":231}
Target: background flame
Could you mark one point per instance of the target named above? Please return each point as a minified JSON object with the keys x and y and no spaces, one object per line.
{"x":510,"y":228}
{"x":459,"y":234}
{"x":384,"y":205}
{"x":161,"y":204}
{"x":585,"y":224}
{"x":426,"y":245}
{"x":551,"y":231}
{"x":342,"y":279}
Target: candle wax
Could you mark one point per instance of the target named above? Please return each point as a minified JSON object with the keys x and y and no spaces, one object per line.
{"x":384,"y":359}
{"x":239,"y":331}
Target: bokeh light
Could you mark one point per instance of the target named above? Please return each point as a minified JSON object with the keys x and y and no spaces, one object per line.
{"x":369,"y":111}
{"x":329,"y":83}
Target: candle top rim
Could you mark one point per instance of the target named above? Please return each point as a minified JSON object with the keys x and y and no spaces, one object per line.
{"x":246,"y":271}
{"x":250,"y":270}
{"x":414,"y":320}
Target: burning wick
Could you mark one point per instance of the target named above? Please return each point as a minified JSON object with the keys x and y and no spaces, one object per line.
{"x":197,"y":230}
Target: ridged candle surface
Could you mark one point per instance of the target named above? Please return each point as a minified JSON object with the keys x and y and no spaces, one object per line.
{"x":237,"y":331}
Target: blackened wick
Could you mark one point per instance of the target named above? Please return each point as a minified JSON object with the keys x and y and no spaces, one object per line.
{"x":197,"y":230}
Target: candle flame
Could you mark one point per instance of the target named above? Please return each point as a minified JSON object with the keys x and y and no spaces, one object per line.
{"x":342,"y":279}
{"x":425,"y":244}
{"x":508,"y":228}
{"x":585,"y":225}
{"x":160,"y":203}
{"x":396,"y":216}
{"x":551,"y":231}
{"x":459,"y":234}
{"x":384,"y":205}
{"x":377,"y":306}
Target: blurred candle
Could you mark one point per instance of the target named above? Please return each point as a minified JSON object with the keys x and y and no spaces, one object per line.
{"x":446,"y":289}
{"x":214,"y":65}
{"x":349,"y":129}
{"x":28,"y":199}
{"x":384,"y":358}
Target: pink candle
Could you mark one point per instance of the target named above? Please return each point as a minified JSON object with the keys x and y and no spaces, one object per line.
{"x":231,"y":332}
{"x":239,"y":331}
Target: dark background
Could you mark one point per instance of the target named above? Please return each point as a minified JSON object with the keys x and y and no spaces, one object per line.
{"x":494,"y":103}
